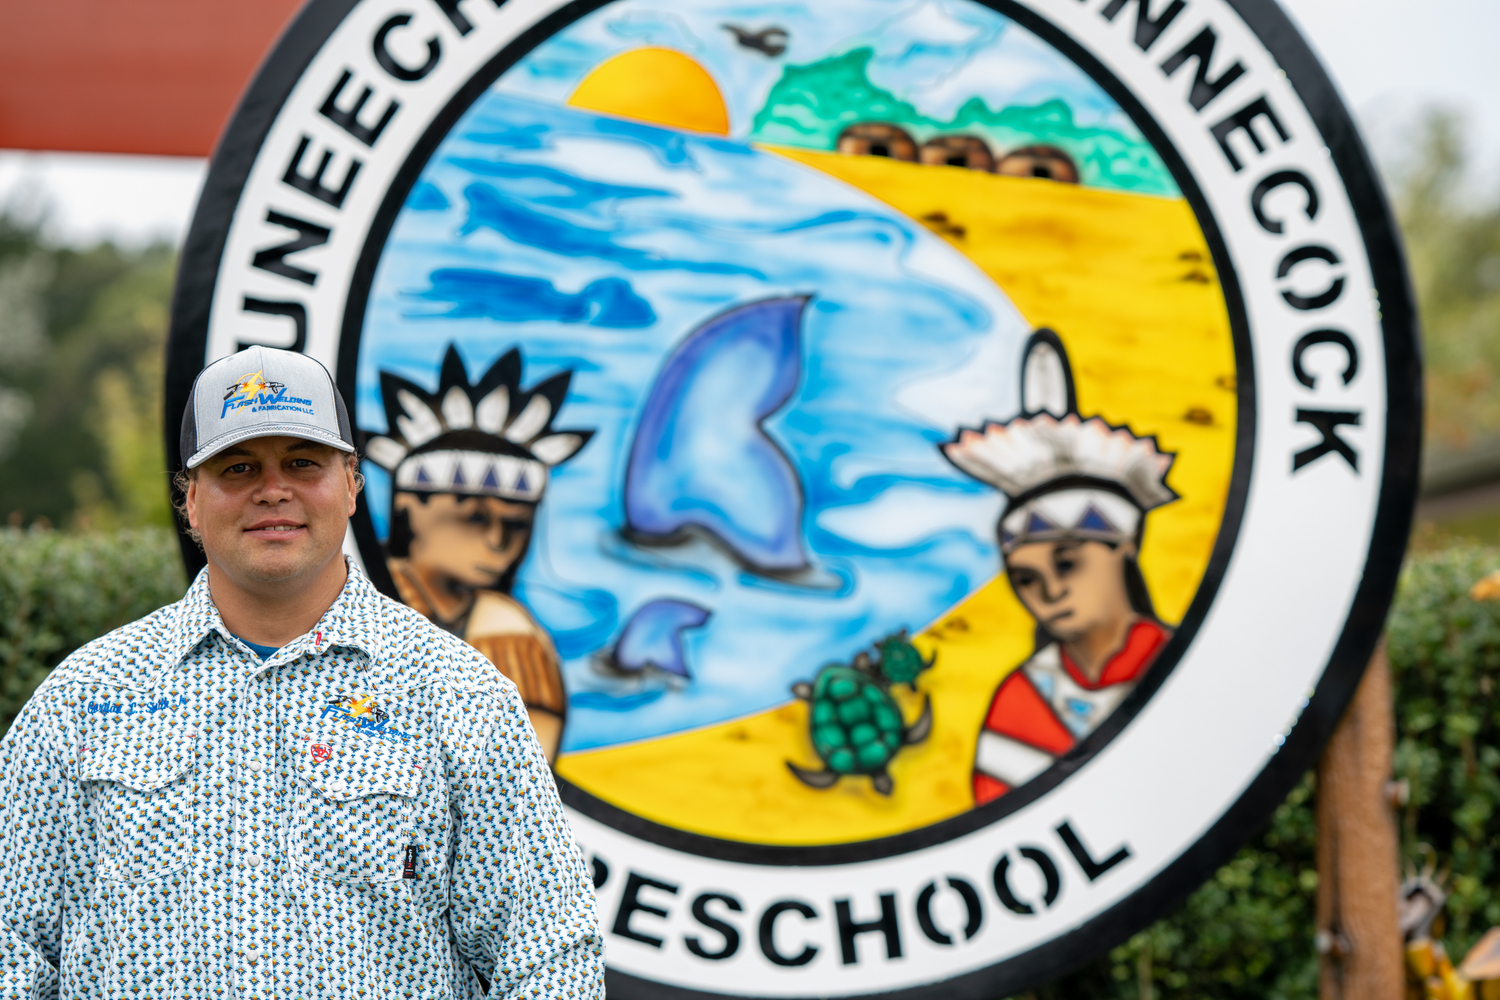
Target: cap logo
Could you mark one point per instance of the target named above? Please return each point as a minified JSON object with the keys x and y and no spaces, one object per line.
{"x":254,"y":392}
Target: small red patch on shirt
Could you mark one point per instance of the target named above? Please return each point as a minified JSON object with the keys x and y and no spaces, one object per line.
{"x":320,"y":752}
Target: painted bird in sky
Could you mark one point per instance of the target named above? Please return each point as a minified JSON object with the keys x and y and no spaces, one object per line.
{"x":772,"y":41}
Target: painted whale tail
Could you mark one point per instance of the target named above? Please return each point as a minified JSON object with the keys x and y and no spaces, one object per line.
{"x":701,"y":462}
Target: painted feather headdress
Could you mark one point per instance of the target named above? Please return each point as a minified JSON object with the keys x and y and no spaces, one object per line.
{"x":1065,"y":476}
{"x":491,"y":438}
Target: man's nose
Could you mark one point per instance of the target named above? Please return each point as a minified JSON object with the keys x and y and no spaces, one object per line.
{"x":274,"y":486}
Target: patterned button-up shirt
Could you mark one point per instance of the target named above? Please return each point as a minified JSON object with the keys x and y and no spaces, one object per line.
{"x":365,"y":814}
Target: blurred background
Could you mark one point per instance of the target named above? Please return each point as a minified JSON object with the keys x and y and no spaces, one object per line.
{"x":88,"y":248}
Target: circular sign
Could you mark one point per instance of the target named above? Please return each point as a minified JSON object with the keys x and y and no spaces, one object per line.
{"x":934,"y":469}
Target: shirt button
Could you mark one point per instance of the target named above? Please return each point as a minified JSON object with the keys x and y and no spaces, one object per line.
{"x":252,"y":953}
{"x":253,"y":860}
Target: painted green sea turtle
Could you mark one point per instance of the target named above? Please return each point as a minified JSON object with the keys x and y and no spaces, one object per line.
{"x":855,"y":724}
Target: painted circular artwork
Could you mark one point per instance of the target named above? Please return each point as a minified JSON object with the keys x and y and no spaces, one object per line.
{"x":883,"y":440}
{"x":762,"y":292}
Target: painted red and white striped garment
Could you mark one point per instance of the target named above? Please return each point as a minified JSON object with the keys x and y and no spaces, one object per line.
{"x":1044,"y":707}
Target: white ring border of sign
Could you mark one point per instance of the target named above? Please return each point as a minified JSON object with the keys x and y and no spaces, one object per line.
{"x":1179,"y":814}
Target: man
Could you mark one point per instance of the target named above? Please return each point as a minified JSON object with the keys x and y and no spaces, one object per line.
{"x":1078,"y":495}
{"x":284,"y":785}
{"x":469,"y":464}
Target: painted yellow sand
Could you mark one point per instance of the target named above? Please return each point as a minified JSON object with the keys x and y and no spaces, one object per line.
{"x":1125,"y":280}
{"x":657,"y":85}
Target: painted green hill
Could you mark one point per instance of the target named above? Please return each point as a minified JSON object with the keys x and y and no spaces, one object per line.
{"x":810,"y":105}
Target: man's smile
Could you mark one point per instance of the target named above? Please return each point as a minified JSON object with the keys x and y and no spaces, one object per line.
{"x":277,"y":528}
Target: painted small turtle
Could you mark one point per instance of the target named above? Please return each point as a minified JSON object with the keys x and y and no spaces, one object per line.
{"x":900,"y":661}
{"x":856,"y":725}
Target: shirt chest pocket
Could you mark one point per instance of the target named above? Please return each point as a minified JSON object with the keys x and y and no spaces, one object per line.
{"x":141,"y":788}
{"x":354,"y":810}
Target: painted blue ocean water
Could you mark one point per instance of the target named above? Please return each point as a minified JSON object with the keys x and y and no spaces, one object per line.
{"x":602,"y":246}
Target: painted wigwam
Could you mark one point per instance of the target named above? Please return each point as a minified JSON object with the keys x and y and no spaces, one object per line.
{"x":957,"y":150}
{"x":469,"y":465}
{"x":1078,"y":492}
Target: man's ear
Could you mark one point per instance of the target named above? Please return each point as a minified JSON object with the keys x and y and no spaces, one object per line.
{"x":190,"y":502}
{"x":354,"y":480}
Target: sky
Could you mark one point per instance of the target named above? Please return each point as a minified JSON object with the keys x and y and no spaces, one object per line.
{"x":1389,"y":57}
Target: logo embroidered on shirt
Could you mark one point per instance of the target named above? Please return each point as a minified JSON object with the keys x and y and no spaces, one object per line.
{"x":320,"y":752}
{"x":368,"y":717}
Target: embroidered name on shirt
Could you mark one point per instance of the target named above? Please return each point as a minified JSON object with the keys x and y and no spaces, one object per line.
{"x":136,"y":707}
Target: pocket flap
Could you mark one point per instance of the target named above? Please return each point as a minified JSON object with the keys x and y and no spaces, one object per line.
{"x":347,"y":764}
{"x":144,"y":759}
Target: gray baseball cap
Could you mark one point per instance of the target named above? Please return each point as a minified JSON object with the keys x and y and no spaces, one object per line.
{"x":262,"y":392}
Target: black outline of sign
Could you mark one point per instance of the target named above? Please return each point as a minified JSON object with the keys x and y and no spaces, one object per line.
{"x":204,"y":246}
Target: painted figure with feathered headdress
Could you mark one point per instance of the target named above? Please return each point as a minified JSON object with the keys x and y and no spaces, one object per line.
{"x":469,"y":464}
{"x":1078,"y":491}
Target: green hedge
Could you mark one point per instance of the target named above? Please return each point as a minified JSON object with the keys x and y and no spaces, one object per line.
{"x":1446,"y":653}
{"x":1247,"y":934}
{"x":58,"y":591}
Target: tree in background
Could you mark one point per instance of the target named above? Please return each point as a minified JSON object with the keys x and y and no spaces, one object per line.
{"x":82,"y":342}
{"x":1453,"y":246}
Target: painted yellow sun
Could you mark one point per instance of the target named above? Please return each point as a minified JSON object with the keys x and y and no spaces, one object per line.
{"x":657,"y":85}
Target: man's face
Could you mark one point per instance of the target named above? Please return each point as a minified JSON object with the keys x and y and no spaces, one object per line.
{"x":471,"y":541}
{"x":272,"y":509}
{"x":1071,"y":587}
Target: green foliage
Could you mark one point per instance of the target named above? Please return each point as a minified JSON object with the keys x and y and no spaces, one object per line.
{"x":82,"y":344}
{"x":1445,"y":649}
{"x":1453,"y":246}
{"x":59,"y":591}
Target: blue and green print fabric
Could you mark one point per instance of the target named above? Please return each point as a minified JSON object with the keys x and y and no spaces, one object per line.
{"x":364,"y":813}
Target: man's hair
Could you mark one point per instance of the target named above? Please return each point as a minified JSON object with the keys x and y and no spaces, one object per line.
{"x":183,"y":477}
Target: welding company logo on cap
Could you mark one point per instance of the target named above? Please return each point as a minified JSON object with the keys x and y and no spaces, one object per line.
{"x":252,"y":390}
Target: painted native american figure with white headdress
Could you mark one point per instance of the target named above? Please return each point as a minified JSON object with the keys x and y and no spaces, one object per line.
{"x":1078,"y":493}
{"x":469,"y":464}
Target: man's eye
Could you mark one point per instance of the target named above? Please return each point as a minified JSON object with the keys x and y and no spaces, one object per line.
{"x":478,"y":517}
{"x":303,"y":463}
{"x":1065,"y":566}
{"x":237,"y":468}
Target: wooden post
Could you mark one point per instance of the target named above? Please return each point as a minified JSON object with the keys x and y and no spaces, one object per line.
{"x":1359,"y":940}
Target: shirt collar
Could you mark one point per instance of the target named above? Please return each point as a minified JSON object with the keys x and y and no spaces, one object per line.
{"x":195,"y":617}
{"x":354,"y":620}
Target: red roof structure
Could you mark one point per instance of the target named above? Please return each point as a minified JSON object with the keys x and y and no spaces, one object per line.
{"x":140,"y":76}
